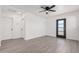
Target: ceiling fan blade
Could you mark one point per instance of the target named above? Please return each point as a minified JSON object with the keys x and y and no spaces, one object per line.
{"x":42,"y":7}
{"x":52,"y":6}
{"x":43,"y":11}
{"x":53,"y":10}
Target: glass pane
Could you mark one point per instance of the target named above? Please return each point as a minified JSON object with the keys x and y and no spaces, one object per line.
{"x":60,"y":29}
{"x":60,"y":33}
{"x":61,"y":25}
{"x":61,"y":22}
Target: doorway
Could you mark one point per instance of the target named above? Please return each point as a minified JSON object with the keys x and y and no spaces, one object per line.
{"x":61,"y":28}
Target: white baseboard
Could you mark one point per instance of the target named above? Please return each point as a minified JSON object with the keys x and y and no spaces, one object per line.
{"x":26,"y":38}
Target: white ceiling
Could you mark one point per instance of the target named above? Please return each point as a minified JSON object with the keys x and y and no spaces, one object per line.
{"x":36,"y":8}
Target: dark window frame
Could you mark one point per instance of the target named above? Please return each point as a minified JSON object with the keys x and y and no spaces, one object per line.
{"x":61,"y":36}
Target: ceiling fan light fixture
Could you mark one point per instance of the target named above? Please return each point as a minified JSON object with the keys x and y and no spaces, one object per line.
{"x":47,"y":12}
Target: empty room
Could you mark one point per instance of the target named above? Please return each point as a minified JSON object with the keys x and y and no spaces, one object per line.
{"x":39,"y":29}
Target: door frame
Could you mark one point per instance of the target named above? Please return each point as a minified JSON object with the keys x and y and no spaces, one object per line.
{"x":61,"y":36}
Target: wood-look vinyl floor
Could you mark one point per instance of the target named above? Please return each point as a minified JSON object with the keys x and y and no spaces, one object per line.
{"x":46,"y":44}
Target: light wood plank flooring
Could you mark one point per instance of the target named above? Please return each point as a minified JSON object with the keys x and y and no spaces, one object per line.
{"x":46,"y":44}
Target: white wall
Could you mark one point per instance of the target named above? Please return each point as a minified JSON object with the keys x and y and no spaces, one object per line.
{"x":35,"y":26}
{"x":78,"y":26}
{"x":72,"y":20}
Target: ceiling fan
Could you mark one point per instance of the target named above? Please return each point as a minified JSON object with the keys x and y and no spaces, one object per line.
{"x":48,"y":8}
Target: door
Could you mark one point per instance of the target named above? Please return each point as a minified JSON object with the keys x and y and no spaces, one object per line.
{"x":16,"y":27}
{"x":61,"y":28}
{"x":6,"y":27}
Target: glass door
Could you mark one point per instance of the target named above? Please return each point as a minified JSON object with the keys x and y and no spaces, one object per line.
{"x":61,"y":28}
